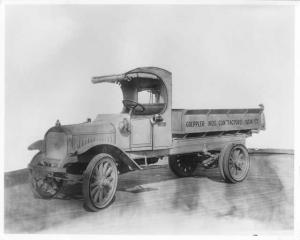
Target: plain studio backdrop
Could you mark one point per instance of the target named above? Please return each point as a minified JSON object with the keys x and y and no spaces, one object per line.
{"x":220,"y":57}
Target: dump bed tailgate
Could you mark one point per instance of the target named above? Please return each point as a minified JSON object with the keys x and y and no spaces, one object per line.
{"x":186,"y":121}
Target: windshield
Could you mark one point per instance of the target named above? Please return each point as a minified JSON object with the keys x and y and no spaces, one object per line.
{"x":150,"y":96}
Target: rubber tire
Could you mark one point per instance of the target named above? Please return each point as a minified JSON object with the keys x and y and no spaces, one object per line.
{"x":88,"y":203}
{"x":224,"y":163}
{"x":179,"y":172}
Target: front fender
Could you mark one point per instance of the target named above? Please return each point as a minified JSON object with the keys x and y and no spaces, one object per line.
{"x":37,"y":158}
{"x":37,"y":145}
{"x":125,"y":163}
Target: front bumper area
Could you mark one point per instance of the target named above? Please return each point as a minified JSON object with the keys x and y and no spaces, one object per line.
{"x":53,"y":172}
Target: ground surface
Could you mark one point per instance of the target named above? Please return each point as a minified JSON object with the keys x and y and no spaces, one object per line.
{"x":154,"y":201}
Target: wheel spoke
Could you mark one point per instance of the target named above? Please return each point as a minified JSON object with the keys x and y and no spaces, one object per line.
{"x":241,"y":155}
{"x":106,"y":191}
{"x":95,"y":183}
{"x":109,"y":186}
{"x":44,"y":186}
{"x":94,"y":190}
{"x":100,"y":196}
{"x":40,"y":183}
{"x":100,"y":171}
{"x":232,"y":168}
{"x":105,"y":165}
{"x":239,"y":167}
{"x":96,"y":196}
{"x":96,"y":172}
{"x":110,"y":179}
{"x":108,"y":171}
{"x":94,"y":177}
{"x":235,"y":154}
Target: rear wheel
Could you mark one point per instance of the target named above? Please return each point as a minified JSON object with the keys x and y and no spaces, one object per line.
{"x":182,"y":166}
{"x":234,"y":163}
{"x":100,"y":181}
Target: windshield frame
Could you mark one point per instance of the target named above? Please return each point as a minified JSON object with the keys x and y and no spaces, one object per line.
{"x":131,"y":88}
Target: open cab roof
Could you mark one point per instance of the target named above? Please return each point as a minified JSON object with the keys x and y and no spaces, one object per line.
{"x":141,"y":73}
{"x":141,"y":84}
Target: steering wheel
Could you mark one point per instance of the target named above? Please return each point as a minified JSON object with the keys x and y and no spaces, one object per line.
{"x":132,"y":105}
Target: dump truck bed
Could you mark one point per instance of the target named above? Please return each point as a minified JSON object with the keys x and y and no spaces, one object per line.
{"x":185,"y":121}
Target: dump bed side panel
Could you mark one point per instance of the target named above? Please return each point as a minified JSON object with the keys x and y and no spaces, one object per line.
{"x":215,"y":120}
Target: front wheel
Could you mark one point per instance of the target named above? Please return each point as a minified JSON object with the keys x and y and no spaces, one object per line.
{"x":43,"y":187}
{"x":100,"y":181}
{"x":234,"y":163}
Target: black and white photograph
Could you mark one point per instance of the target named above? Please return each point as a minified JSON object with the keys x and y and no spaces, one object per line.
{"x":149,"y":119}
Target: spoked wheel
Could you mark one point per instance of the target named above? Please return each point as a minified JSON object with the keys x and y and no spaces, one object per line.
{"x":44,"y":187}
{"x":234,"y":163}
{"x":100,"y":181}
{"x":182,"y":166}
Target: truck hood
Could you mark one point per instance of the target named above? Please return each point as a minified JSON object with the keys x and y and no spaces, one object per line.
{"x":81,"y":137}
{"x":87,"y":128}
{"x":103,"y":123}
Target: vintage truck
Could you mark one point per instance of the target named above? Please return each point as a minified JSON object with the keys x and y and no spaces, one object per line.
{"x":95,"y":152}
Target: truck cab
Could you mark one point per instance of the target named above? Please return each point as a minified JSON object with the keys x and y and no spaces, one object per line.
{"x":147,"y":99}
